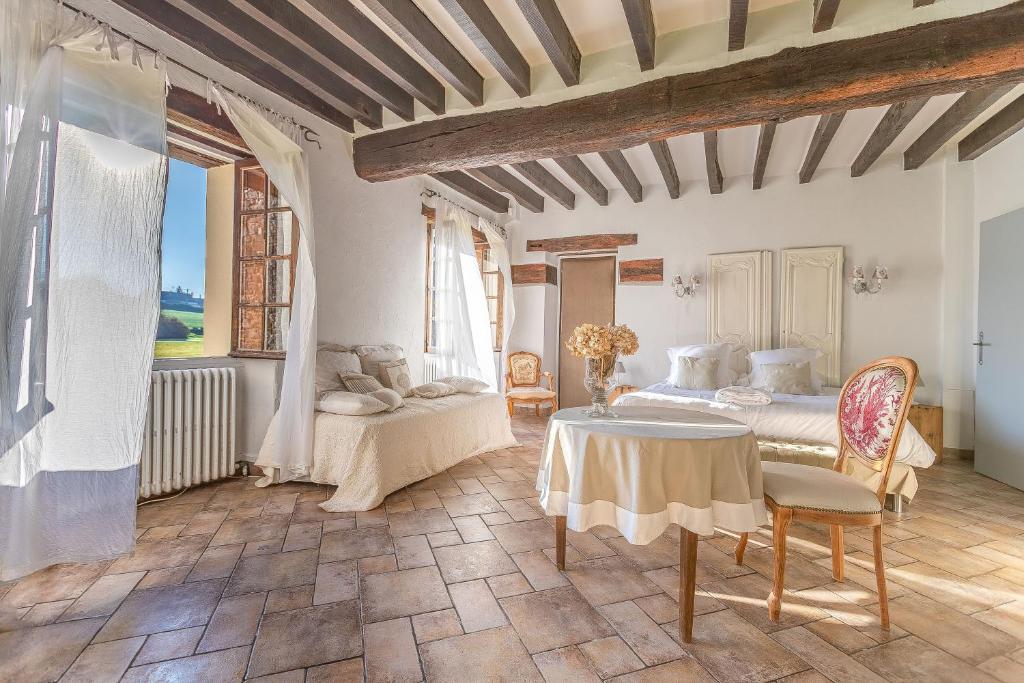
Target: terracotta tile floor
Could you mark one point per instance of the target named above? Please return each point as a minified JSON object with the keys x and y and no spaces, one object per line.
{"x":453,"y":580}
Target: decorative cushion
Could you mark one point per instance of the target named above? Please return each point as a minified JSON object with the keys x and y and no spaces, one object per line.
{"x":784,"y":378}
{"x":347,"y":403}
{"x":465,"y":385}
{"x":433,"y":390}
{"x":358,"y":383}
{"x":696,"y":373}
{"x":791,"y":355}
{"x":388,"y":396}
{"x":724,"y":376}
{"x":815,"y":488}
{"x":372,"y":354}
{"x":394,"y":374}
{"x":529,"y":392}
{"x":331,"y":360}
{"x":869,"y":408}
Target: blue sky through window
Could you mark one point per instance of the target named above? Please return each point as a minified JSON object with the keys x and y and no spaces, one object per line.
{"x":184,"y":238}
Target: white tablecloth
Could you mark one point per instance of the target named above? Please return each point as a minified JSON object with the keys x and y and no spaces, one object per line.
{"x":651,"y":467}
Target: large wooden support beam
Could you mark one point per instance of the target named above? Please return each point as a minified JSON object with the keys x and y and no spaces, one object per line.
{"x":941,"y":57}
{"x":663,"y":155}
{"x":547,"y":22}
{"x":738,"y":10}
{"x":826,"y":129}
{"x":546,"y":181}
{"x":501,"y":180}
{"x":584,"y":177}
{"x":953,"y":120}
{"x":191,"y":111}
{"x":417,"y":31}
{"x":640,"y":18}
{"x":923,"y":3}
{"x":1002,"y":125}
{"x":486,"y":32}
{"x":357,"y":32}
{"x":474,"y":189}
{"x":602,"y":242}
{"x":764,"y":149}
{"x":896,"y":118}
{"x":621,"y":169}
{"x":715,"y":179}
{"x":824,"y":14}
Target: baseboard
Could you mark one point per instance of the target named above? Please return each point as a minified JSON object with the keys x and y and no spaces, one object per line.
{"x":958,"y":454}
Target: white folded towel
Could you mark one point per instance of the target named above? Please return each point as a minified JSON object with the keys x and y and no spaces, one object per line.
{"x":743,"y":396}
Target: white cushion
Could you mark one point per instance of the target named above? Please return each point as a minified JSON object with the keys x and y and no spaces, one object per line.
{"x":358,"y":383}
{"x":372,"y":354}
{"x":529,"y":392}
{"x":388,"y":396}
{"x":725,"y":375}
{"x":465,"y":385}
{"x":785,"y":378}
{"x":696,"y":373}
{"x":433,"y":390}
{"x":330,"y":361}
{"x":347,"y":403}
{"x":394,"y":374}
{"x":791,"y":355}
{"x":815,"y":488}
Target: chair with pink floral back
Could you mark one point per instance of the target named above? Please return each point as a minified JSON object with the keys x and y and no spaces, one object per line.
{"x":873,"y":407}
{"x":522,"y":383}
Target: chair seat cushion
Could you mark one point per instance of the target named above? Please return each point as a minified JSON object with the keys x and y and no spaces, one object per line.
{"x":529,"y":392}
{"x":815,"y":488}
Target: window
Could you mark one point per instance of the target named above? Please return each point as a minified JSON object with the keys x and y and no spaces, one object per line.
{"x":183,"y":269}
{"x":266,"y":238}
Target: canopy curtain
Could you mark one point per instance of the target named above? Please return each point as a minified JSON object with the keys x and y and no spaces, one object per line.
{"x":287,"y":450}
{"x":499,"y":252}
{"x":84,"y":179}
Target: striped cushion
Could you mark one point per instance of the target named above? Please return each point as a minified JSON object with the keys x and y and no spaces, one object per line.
{"x":358,"y":383}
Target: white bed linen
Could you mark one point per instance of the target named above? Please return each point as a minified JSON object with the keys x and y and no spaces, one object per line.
{"x":370,"y":456}
{"x":788,"y":417}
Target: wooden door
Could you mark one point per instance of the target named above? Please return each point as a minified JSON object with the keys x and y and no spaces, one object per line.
{"x":587,"y":296}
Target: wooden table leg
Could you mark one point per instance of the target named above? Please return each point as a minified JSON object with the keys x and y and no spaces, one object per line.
{"x":687,"y":583}
{"x":560,"y":542}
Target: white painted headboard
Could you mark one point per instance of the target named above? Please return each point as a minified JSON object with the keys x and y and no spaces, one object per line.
{"x":740,"y":299}
{"x":812,"y":305}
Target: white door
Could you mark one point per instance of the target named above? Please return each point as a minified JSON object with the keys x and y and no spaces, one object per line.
{"x":999,"y":410}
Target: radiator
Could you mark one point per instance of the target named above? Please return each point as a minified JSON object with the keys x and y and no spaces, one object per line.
{"x":189,"y":435}
{"x":431,"y":367}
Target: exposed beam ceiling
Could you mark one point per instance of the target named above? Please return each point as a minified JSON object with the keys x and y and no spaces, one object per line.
{"x":738,"y":23}
{"x":828,"y":124}
{"x":501,"y":180}
{"x":824,"y":14}
{"x":952,"y":121}
{"x":419,"y":33}
{"x":764,"y":148}
{"x":549,"y":25}
{"x":715,"y":179}
{"x":191,"y":111}
{"x":477,"y":21}
{"x":896,"y":118}
{"x":641,"y":27}
{"x":584,"y":177}
{"x":546,"y":181}
{"x":941,"y":57}
{"x":357,"y":32}
{"x":663,"y":155}
{"x":212,"y":144}
{"x":1002,"y":125}
{"x":621,"y":169}
{"x":474,"y":189}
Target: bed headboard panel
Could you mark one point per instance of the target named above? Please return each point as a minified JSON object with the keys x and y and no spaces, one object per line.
{"x":812,"y":305}
{"x":740,"y":299}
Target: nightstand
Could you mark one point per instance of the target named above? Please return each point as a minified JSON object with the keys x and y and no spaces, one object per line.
{"x":620,"y":390}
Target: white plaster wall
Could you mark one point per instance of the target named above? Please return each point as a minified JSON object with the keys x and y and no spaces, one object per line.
{"x":888,"y":216}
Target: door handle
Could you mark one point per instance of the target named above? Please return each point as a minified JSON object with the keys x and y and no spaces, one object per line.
{"x":981,"y":344}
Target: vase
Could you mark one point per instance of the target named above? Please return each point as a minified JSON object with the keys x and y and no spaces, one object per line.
{"x":596,"y":379}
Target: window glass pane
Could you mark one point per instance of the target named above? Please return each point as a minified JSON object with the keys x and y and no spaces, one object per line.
{"x":254,"y":242}
{"x":279,"y":233}
{"x":492,"y":309}
{"x":277,"y":329}
{"x":250,"y":328}
{"x":254,"y":189}
{"x":250,"y":284}
{"x":274,"y":199}
{"x":278,"y":281}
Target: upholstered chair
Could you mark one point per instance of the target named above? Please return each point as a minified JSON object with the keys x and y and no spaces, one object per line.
{"x":522,"y":383}
{"x":873,"y":408}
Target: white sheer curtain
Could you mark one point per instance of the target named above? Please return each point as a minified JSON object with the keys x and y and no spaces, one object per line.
{"x":287,"y":450}
{"x":84,"y":180}
{"x":499,"y":253}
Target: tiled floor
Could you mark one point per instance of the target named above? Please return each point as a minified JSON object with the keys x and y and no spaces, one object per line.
{"x":453,"y":580}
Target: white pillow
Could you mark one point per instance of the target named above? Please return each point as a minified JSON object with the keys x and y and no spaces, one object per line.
{"x":464,"y":385}
{"x":785,"y":378}
{"x":433,"y":390}
{"x":347,"y":403}
{"x":329,"y":363}
{"x":725,"y":375}
{"x":791,"y":355}
{"x":358,"y":383}
{"x":371,"y":355}
{"x":389,"y":396}
{"x":696,"y":373}
{"x":394,"y":374}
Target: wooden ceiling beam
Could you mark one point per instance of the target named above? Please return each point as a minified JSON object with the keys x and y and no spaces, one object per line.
{"x":191,"y":156}
{"x":640,"y":18}
{"x":824,"y":14}
{"x":409,"y":22}
{"x":546,"y":181}
{"x":828,"y":125}
{"x":298,"y":30}
{"x":486,"y":32}
{"x":584,"y":177}
{"x":940,"y":57}
{"x":896,"y":118}
{"x":738,"y":10}
{"x":967,"y":108}
{"x":212,"y":43}
{"x":620,"y":168}
{"x":714,"y":168}
{"x":923,"y":3}
{"x":192,"y":111}
{"x":1002,"y":125}
{"x":663,"y":155}
{"x":358,"y":33}
{"x":213,"y":144}
{"x":471,"y":187}
{"x":500,"y":180}
{"x":547,"y":22}
{"x":764,"y":149}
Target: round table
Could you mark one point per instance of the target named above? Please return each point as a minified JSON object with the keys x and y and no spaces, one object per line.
{"x":647,"y":468}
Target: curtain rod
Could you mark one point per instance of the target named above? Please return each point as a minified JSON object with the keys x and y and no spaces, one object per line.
{"x":433,"y":193}
{"x":306,"y":130}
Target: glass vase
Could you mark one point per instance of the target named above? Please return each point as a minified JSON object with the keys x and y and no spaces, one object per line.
{"x":596,"y":379}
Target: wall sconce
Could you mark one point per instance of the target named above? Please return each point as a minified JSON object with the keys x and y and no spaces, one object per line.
{"x":861,"y":285}
{"x":686,"y":288}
